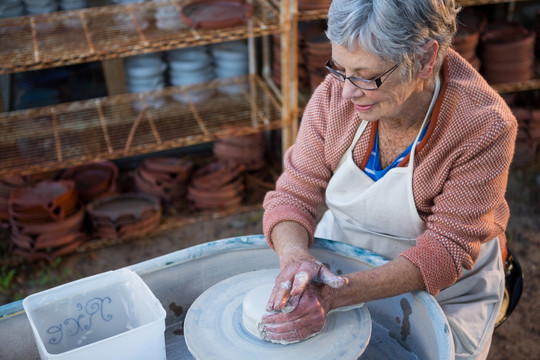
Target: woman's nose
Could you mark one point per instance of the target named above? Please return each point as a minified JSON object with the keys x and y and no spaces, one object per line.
{"x":350,"y":91}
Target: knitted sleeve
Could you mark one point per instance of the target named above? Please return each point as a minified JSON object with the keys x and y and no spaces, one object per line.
{"x":470,"y":209}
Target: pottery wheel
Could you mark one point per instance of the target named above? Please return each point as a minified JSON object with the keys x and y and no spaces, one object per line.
{"x":213,"y":327}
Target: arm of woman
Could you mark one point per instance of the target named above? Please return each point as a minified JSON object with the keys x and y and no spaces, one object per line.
{"x":312,"y":300}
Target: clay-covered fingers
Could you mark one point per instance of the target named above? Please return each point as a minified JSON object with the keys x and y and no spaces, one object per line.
{"x":280,"y":295}
{"x":329,"y":278}
{"x":305,"y":320}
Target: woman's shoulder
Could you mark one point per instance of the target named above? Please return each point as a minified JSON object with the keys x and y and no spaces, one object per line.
{"x":468,"y":99}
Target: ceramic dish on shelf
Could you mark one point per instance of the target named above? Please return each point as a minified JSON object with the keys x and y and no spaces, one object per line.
{"x":216,"y":14}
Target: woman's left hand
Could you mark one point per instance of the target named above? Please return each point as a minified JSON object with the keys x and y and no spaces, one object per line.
{"x":305,"y":320}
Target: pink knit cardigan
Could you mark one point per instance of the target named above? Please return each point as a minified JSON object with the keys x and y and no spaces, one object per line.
{"x":460,"y":171}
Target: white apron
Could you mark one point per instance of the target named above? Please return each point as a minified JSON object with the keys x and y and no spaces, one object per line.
{"x":381,"y":216}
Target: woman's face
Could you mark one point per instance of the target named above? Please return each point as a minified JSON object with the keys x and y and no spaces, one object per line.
{"x":394,"y":99}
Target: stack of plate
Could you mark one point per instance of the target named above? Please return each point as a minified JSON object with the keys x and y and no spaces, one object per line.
{"x":164,"y":177}
{"x":124,"y":216}
{"x":247,"y":151}
{"x":93,"y":181}
{"x":230,"y":60}
{"x":144,"y":72}
{"x":11,"y":8}
{"x":46,"y":219}
{"x":167,"y":16}
{"x":217,"y":185}
{"x":126,"y":21}
{"x":508,"y":53}
{"x":190,"y":66}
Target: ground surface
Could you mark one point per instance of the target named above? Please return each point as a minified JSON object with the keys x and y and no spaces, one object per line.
{"x":517,"y":338}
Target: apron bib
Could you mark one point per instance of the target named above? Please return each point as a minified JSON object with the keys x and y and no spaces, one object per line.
{"x":381,"y":216}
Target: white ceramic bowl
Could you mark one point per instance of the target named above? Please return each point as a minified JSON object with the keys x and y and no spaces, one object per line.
{"x":197,"y":53}
{"x":179,"y":66}
{"x":181,"y":79}
{"x":146,"y":87}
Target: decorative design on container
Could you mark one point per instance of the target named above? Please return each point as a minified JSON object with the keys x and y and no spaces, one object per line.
{"x":247,"y":151}
{"x":164,"y":177}
{"x":46,"y":220}
{"x":109,"y":315}
{"x":124,"y":216}
{"x":217,"y":185}
{"x":471,"y":23}
{"x":507,"y":53}
{"x":93,"y":181}
{"x":216,"y":14}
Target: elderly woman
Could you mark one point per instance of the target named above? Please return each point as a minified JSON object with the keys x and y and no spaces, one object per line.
{"x":410,"y":149}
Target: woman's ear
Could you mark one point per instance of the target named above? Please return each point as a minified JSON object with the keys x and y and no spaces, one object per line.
{"x":427,"y":60}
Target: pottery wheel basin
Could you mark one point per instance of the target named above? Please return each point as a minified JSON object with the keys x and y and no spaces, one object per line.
{"x":409,"y":326}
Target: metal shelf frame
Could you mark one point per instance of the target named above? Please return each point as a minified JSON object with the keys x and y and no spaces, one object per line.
{"x":55,"y":137}
{"x":109,"y":32}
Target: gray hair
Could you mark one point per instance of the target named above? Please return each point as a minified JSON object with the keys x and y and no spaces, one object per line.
{"x":394,"y":30}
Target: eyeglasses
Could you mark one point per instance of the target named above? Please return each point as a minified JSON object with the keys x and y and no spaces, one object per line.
{"x":360,"y":83}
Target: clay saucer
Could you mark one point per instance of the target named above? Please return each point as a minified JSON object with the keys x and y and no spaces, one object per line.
{"x":54,"y":198}
{"x":171,"y":165}
{"x":43,"y":242}
{"x":71,"y":223}
{"x":216,"y":14}
{"x":128,"y":204}
{"x":93,"y":180}
{"x":215,"y":175}
{"x":48,"y":256}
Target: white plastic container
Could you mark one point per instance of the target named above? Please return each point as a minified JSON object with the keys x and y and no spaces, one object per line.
{"x":112,"y":315}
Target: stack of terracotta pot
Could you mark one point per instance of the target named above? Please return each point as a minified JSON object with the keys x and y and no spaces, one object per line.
{"x":217,"y":185}
{"x":124,"y":216}
{"x":303,"y":79}
{"x":528,"y":136}
{"x":247,"y":151}
{"x":93,"y":181}
{"x":46,"y":219}
{"x":318,"y":51}
{"x":508,"y":53}
{"x":164,"y":177}
{"x":6,"y":186}
{"x":537,"y":31}
{"x":471,"y":23}
{"x":313,"y":4}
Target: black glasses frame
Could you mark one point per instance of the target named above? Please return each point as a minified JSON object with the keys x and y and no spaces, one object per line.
{"x":376,"y":83}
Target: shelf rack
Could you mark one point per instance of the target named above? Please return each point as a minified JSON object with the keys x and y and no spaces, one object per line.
{"x":54,"y":137}
{"x":108,"y":32}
